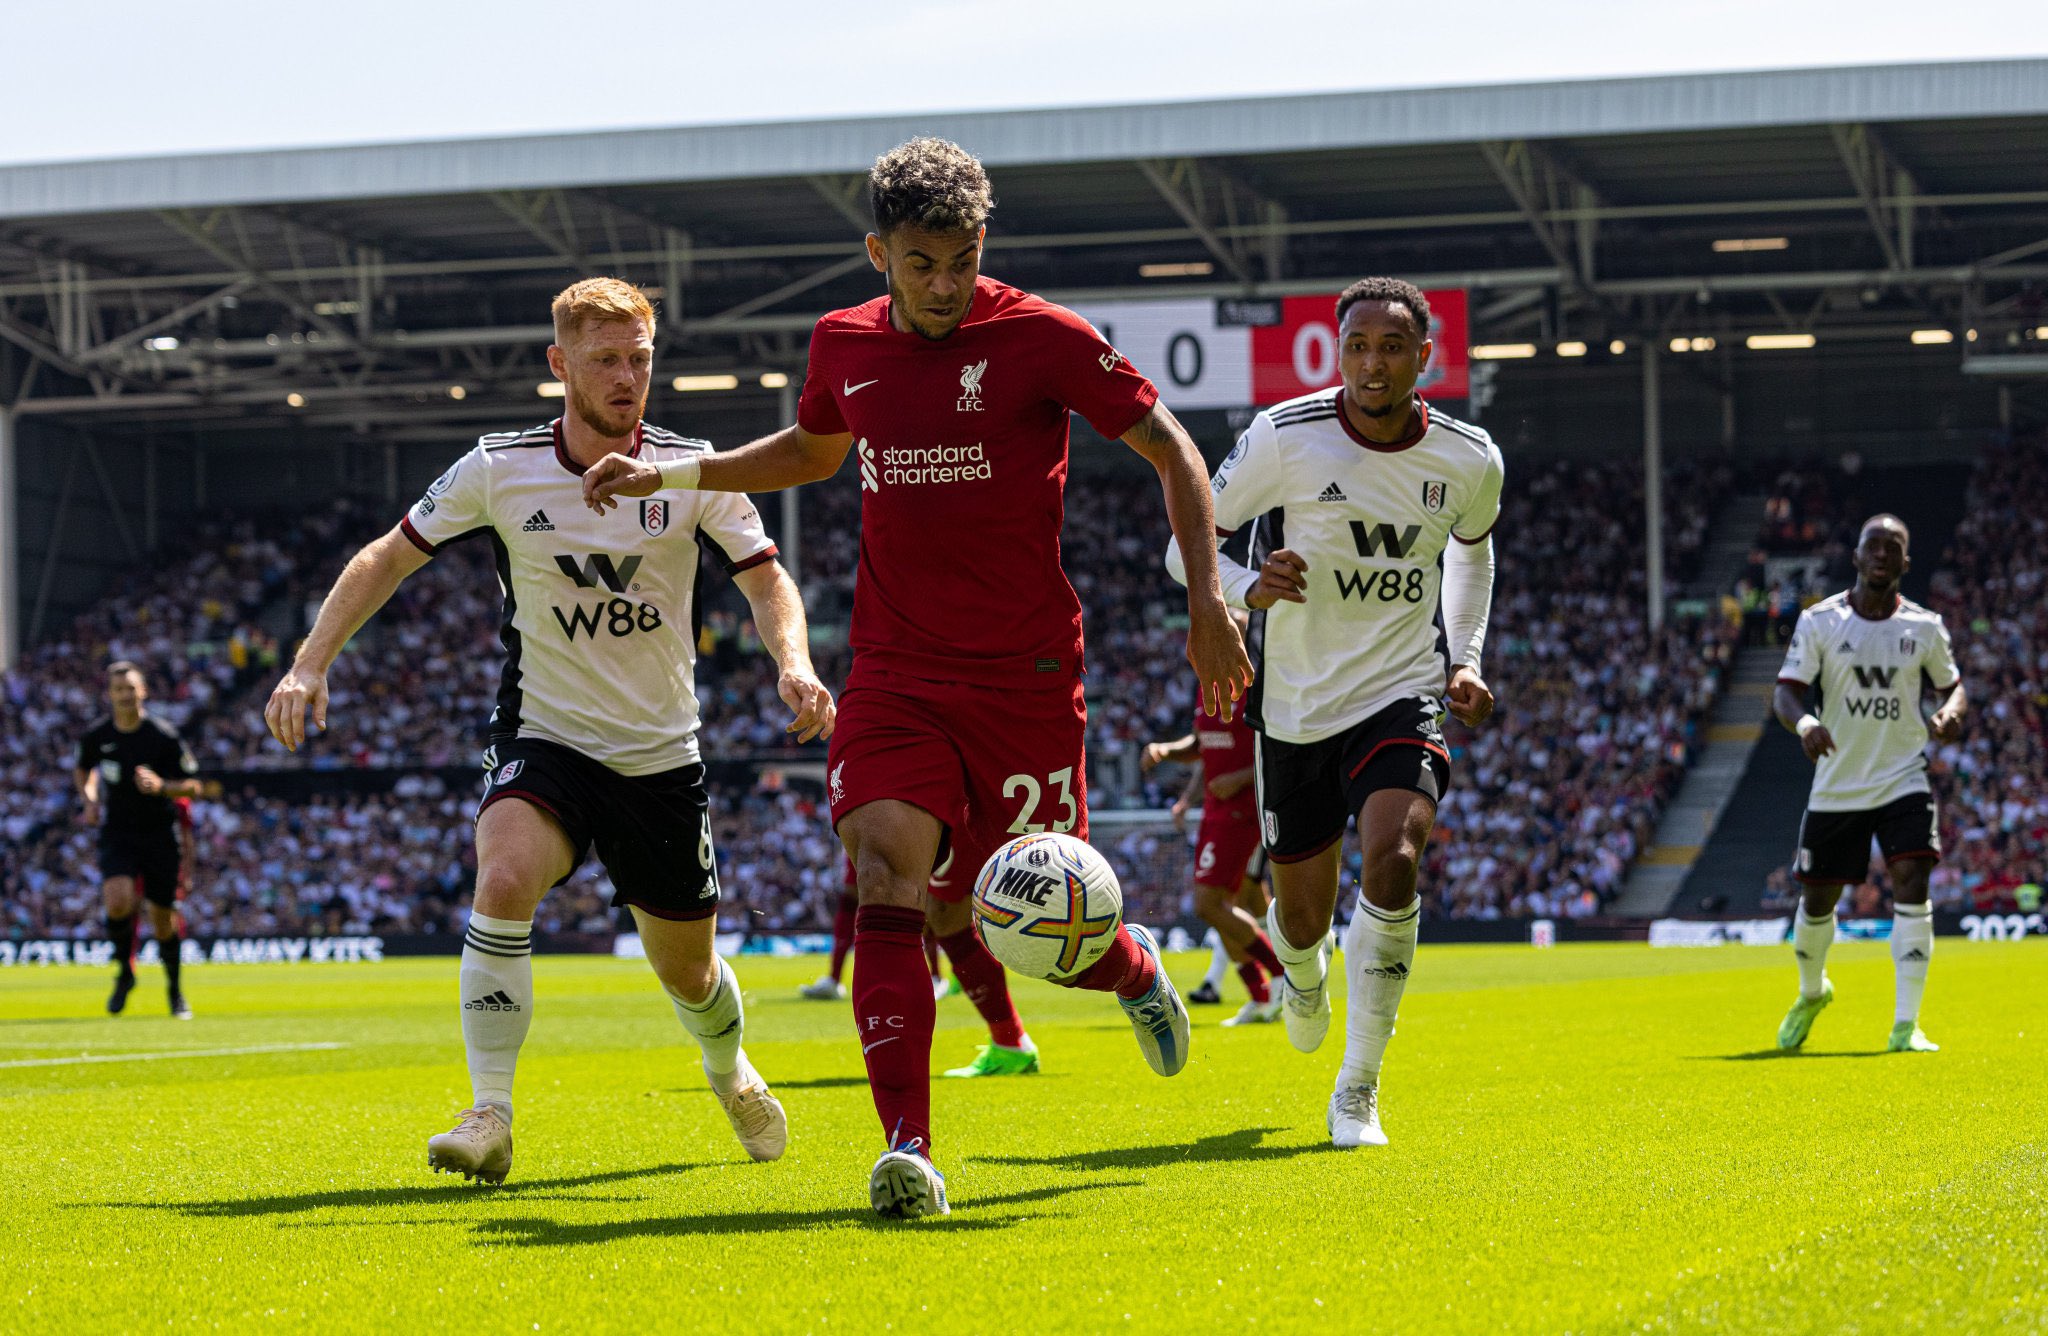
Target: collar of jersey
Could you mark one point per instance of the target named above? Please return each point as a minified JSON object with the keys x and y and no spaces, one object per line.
{"x":562,"y":455}
{"x":1385,"y":447}
{"x":1849,"y":602}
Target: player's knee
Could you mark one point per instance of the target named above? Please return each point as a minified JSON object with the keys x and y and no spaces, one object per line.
{"x":883,"y":875}
{"x":690,"y":979}
{"x":1211,"y":902}
{"x":504,"y":891}
{"x":1389,"y":867}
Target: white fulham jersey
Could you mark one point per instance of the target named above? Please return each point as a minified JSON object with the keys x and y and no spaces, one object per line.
{"x":1869,"y":674}
{"x":1371,"y":521}
{"x":600,"y":610}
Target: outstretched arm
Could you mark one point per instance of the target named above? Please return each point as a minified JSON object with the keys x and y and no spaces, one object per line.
{"x":364,"y":585}
{"x":789,"y":458}
{"x":1222,"y":669}
{"x":779,"y":615}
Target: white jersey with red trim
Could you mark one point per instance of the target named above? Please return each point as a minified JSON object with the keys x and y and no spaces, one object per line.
{"x":600,"y":610}
{"x":1372,"y":522}
{"x":1870,"y":675}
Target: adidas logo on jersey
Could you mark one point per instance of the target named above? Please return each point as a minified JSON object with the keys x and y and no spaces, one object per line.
{"x":1333,"y":493}
{"x":537,"y":522}
{"x":498,"y":1001}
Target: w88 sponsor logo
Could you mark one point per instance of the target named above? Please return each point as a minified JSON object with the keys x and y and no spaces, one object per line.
{"x":617,"y":617}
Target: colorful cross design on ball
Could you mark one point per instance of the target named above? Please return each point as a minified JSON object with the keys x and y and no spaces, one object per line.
{"x":1074,"y":931}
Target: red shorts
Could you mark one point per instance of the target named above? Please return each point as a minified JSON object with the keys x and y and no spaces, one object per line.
{"x":991,"y":763}
{"x":1225,"y":845}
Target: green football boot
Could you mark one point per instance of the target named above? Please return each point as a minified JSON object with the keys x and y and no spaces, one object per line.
{"x":1907,"y":1037}
{"x":996,"y":1060}
{"x":1793,"y":1029}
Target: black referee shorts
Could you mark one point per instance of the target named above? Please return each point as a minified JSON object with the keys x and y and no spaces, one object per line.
{"x":152,"y":857}
{"x":1309,"y":791}
{"x":651,"y":832}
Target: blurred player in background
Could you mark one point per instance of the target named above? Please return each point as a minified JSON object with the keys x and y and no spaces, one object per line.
{"x":963,"y":723}
{"x":1873,"y":653}
{"x":594,"y":738}
{"x":135,"y":768}
{"x":1228,"y":859}
{"x":1373,"y":513}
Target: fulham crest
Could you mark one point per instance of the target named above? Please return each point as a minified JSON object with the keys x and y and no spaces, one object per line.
{"x":654,"y":518}
{"x":1433,"y":496}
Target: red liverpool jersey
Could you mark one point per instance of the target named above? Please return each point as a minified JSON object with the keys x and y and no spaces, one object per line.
{"x":962,"y":448}
{"x":1226,"y":749}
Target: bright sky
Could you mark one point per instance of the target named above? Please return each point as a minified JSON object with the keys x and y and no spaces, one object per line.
{"x":146,"y":76}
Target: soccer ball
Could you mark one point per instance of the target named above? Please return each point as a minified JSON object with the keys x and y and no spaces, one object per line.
{"x":1048,"y":905}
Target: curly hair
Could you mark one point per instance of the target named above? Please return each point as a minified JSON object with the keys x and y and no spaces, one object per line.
{"x":929,"y":184}
{"x":1390,"y":290}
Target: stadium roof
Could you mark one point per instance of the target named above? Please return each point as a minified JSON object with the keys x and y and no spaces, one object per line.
{"x":352,"y":287}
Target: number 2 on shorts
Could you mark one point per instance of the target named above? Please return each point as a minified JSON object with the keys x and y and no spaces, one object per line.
{"x":1028,"y":785}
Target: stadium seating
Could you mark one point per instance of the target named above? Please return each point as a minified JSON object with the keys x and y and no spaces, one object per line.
{"x":1595,"y":728}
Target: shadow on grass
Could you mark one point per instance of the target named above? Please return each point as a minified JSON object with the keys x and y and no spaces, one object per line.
{"x":816,"y":1083}
{"x":533,"y":1232}
{"x":1228,"y":1147}
{"x":392,"y":1196}
{"x":1767,"y":1054}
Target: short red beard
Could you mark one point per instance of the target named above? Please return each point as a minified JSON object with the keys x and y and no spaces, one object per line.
{"x":593,"y":417}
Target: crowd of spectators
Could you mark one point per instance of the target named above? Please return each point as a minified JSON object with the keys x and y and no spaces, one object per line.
{"x":1553,"y":797}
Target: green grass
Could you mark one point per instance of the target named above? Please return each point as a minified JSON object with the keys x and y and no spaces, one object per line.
{"x":1594,"y":1138}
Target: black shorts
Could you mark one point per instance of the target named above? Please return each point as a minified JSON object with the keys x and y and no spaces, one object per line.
{"x":1834,"y":847}
{"x":651,"y":832}
{"x":1308,"y":791}
{"x":153,"y":858}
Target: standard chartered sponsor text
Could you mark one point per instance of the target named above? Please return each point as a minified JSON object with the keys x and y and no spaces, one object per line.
{"x":904,"y":465}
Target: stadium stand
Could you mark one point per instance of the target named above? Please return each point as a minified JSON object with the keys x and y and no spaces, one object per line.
{"x":1597,"y":725}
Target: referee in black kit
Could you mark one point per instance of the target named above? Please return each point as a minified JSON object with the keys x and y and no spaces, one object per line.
{"x":136,"y":767}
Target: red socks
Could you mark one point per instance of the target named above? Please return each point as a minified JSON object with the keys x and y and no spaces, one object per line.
{"x":1124,"y":969}
{"x":931,"y":955}
{"x":981,"y":978}
{"x":1255,"y":982}
{"x":1261,"y":952}
{"x":842,"y":932}
{"x":894,"y":1012}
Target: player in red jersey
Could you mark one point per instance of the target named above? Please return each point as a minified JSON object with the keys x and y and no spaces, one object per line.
{"x":963,"y":720}
{"x":1226,"y":846}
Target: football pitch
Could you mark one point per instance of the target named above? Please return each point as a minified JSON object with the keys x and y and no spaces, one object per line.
{"x":1592,"y":1138}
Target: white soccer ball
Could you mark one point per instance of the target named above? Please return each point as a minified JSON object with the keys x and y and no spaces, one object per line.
{"x":1047,"y":905}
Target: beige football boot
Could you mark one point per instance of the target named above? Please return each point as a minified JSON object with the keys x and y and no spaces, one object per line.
{"x":480,"y":1146}
{"x":757,"y":1119}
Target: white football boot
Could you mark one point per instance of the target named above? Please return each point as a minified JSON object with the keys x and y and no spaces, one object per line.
{"x":826,"y":989}
{"x":906,"y":1184}
{"x":479,"y":1146}
{"x":1355,"y":1117}
{"x":1159,"y":1019}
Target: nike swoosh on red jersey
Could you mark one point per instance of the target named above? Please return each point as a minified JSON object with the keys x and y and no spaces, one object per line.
{"x":852,"y":389}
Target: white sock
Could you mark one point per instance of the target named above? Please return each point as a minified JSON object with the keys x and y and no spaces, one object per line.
{"x":497,"y":1004}
{"x":1811,"y":938}
{"x":1912,"y":948}
{"x":718,"y":1023}
{"x":1305,"y":967}
{"x":1379,"y":949}
{"x":1219,"y":960}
